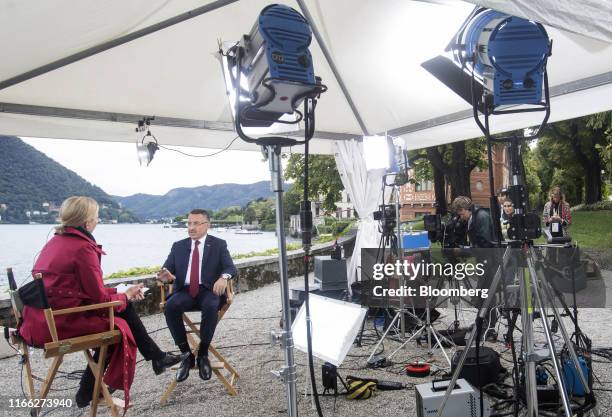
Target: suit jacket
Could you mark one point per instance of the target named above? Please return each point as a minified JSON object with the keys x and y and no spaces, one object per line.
{"x":216,"y":261}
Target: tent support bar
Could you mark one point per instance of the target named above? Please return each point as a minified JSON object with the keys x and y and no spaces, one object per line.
{"x":44,"y":111}
{"x":110,"y":117}
{"x":113,"y":43}
{"x":559,"y":90}
{"x":556,"y":91}
{"x":332,"y":65}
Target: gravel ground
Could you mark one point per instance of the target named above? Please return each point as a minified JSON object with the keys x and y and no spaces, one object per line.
{"x":242,"y":337}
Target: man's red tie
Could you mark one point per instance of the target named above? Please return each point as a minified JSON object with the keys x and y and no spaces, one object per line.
{"x":194,"y":276}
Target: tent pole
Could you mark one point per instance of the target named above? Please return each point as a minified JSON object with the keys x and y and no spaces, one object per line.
{"x":113,"y":43}
{"x":332,"y":65}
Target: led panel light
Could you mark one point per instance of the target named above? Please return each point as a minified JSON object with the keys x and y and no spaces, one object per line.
{"x":335,"y":325}
{"x":376,"y":152}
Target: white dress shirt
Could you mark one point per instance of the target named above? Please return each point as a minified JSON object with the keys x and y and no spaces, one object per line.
{"x":202,"y":240}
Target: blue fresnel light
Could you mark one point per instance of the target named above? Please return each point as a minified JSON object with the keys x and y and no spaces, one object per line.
{"x":271,"y":69}
{"x":508,"y":53}
{"x":268,"y":75}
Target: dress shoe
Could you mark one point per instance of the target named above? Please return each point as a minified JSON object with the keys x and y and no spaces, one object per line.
{"x":204,"y":368}
{"x":188,"y":362}
{"x":83,"y":396}
{"x":491,"y":336}
{"x":82,"y":399}
{"x":169,"y":359}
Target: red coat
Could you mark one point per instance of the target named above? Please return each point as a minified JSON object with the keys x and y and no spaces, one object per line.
{"x":70,"y":264}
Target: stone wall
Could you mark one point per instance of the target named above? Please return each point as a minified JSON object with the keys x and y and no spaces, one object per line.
{"x":252,"y":273}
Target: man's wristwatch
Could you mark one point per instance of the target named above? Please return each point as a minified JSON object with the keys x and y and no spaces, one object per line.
{"x":226,"y":277}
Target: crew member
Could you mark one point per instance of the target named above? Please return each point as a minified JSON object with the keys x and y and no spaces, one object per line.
{"x":480,"y":235}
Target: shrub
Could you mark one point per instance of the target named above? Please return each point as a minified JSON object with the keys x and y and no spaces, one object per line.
{"x":324,"y":230}
{"x":600,"y":205}
{"x":134,"y":272}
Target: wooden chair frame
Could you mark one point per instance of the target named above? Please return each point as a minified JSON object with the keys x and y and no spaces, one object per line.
{"x":222,"y":369}
{"x":57,"y":348}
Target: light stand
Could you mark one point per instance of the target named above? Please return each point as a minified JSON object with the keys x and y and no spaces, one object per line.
{"x":400,"y":255}
{"x":249,"y":114}
{"x":288,"y":373}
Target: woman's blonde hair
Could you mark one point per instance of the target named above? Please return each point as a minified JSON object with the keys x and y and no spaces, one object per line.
{"x":76,"y":211}
{"x":554,"y":191}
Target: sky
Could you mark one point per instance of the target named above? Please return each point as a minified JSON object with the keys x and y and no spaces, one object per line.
{"x":114,"y":167}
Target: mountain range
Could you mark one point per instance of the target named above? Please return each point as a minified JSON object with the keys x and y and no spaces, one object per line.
{"x":179,"y":201}
{"x":32,"y":187}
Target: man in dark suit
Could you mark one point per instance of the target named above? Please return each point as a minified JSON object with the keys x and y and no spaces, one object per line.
{"x":199,"y":268}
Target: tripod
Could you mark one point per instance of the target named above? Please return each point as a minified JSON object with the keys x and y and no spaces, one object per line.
{"x":428,"y":327}
{"x":534,"y":294}
{"x":394,"y":242}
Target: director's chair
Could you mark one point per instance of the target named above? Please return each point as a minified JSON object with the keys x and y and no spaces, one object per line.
{"x":33,"y":295}
{"x":220,"y":367}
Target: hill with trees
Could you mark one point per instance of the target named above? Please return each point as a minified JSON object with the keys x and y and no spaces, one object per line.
{"x":33,"y":186}
{"x":179,"y":201}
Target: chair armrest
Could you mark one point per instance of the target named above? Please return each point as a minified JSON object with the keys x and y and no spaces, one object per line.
{"x":229,"y":292}
{"x":79,"y":309}
{"x":162,"y":292}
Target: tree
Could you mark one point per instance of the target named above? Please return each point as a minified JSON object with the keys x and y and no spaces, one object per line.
{"x":291,"y":202}
{"x":449,"y":164}
{"x":323,"y":178}
{"x":578,"y":147}
{"x":603,"y":122}
{"x":262,"y":210}
{"x":426,"y":171}
{"x":249,"y":215}
{"x":225,"y":213}
{"x":532,"y":180}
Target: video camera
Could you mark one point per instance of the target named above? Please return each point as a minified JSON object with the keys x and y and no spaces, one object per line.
{"x":387,"y":216}
{"x":450,"y":232}
{"x":523,"y":225}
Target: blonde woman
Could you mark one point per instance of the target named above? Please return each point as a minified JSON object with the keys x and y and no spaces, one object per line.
{"x":556,"y":215}
{"x":72,"y":276}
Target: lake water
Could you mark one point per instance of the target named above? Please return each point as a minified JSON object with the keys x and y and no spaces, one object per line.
{"x":126,"y":245}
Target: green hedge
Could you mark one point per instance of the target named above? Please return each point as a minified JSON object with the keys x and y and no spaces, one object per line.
{"x":134,"y":272}
{"x":600,"y":205}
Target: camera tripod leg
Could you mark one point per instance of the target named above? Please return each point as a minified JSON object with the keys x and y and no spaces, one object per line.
{"x":433,"y":332}
{"x":551,"y":345}
{"x":568,"y":342}
{"x":481,"y":313}
{"x":395,"y":318}
{"x":414,"y":336}
{"x":531,"y":393}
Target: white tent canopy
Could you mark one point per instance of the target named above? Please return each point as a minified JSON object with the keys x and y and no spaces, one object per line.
{"x":586,"y":17}
{"x":172,"y":74}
